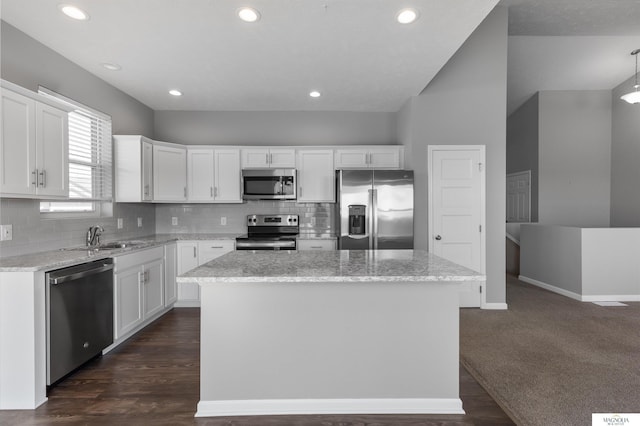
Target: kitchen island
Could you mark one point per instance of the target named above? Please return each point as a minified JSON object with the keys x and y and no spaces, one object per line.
{"x":333,"y":332}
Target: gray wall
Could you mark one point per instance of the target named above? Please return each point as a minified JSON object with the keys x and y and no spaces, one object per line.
{"x":440,"y":116}
{"x":275,"y":127}
{"x":522,"y":146}
{"x":625,"y":159}
{"x":575,"y":157}
{"x":29,"y":63}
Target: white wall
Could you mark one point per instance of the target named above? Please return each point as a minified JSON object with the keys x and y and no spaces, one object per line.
{"x":465,"y":104}
{"x":275,"y":127}
{"x":574,"y":158}
{"x":625,"y":159}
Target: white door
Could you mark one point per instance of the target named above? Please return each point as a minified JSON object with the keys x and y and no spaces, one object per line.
{"x":52,"y":151}
{"x":147,"y":171}
{"x":170,"y":272}
{"x":128,"y":292}
{"x":153,"y":288}
{"x":282,"y":158}
{"x":200,"y":174}
{"x":519,"y":197}
{"x":456,"y":210}
{"x":384,"y":158}
{"x":169,"y":173}
{"x":316,"y":176}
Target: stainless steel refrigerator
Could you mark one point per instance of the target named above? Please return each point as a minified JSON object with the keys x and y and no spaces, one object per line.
{"x":376,"y":209}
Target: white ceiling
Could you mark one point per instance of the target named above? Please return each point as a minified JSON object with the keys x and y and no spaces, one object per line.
{"x":353,"y":51}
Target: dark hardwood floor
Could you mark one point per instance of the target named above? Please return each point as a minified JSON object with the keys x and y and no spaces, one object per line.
{"x":154,"y":379}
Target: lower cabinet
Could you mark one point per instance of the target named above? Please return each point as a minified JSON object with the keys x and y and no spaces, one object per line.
{"x":192,"y":254}
{"x":138,"y":290}
{"x":170,"y":273}
{"x":317,"y":244}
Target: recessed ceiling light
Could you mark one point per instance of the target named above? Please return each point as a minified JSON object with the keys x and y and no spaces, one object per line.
{"x":175,"y":92}
{"x":407,"y":16}
{"x":314,"y":94}
{"x":73,"y":12}
{"x":248,"y":14}
{"x":111,"y":67}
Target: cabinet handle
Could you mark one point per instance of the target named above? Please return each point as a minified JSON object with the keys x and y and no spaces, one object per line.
{"x":217,"y":247}
{"x":300,"y":192}
{"x":194,"y":252}
{"x":316,"y":247}
{"x":146,"y":276}
{"x":146,"y":190}
{"x":266,"y":158}
{"x":211,"y":190}
{"x":35,"y":177}
{"x":141,"y":277}
{"x":43,"y":180}
{"x":215,"y":191}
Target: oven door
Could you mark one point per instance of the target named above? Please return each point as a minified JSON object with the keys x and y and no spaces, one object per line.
{"x":265,"y":244}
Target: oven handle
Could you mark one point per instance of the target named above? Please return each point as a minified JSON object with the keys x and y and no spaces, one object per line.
{"x":249,"y":245}
{"x":81,"y":274}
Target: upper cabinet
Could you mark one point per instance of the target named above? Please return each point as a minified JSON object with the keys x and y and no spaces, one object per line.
{"x":34,"y":145}
{"x":265,"y":158}
{"x":134,"y":168}
{"x":169,"y":173}
{"x":316,"y":176}
{"x":213,"y":175}
{"x":387,"y":157}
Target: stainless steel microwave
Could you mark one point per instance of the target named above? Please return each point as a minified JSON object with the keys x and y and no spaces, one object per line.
{"x":269,"y":184}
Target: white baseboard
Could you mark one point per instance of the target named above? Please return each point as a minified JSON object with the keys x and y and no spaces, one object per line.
{"x":187,"y":304}
{"x":265,"y":407}
{"x":552,"y":288}
{"x":579,"y":297}
{"x":494,"y":306}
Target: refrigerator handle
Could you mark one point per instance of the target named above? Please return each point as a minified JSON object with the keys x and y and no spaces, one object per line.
{"x":373,"y":219}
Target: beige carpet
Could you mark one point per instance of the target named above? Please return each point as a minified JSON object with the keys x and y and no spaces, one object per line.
{"x":551,"y":360}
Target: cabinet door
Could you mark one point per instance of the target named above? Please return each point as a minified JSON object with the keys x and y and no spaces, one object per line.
{"x":169,"y":173}
{"x":128,"y":299}
{"x":188,"y":260}
{"x":387,"y":158}
{"x":52,"y":151}
{"x":147,"y":171}
{"x":17,"y":144}
{"x":227,"y":175}
{"x":200,"y":173}
{"x":255,"y":158}
{"x":316,"y":176}
{"x":282,"y":158}
{"x":153,"y":287}
{"x":170,"y":273}
{"x":209,"y":250}
{"x":317,"y":244}
{"x":351,"y":158}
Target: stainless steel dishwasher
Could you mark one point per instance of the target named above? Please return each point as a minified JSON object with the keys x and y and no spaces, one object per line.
{"x":79,"y":315}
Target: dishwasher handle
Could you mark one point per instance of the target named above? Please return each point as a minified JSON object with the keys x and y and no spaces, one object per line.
{"x":81,"y":274}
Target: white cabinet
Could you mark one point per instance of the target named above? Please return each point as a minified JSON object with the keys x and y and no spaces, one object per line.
{"x":317,"y":244}
{"x":133,"y":168}
{"x":170,"y":273}
{"x":34,"y":144}
{"x":169,"y":173}
{"x":138,"y":290}
{"x":213,"y":175}
{"x":275,"y":158}
{"x":389,"y":157}
{"x":192,"y":254}
{"x":316,"y":176}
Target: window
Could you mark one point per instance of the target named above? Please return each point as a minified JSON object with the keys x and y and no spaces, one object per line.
{"x":90,"y":163}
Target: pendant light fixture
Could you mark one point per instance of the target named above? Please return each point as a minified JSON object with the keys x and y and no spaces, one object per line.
{"x":633,"y":97}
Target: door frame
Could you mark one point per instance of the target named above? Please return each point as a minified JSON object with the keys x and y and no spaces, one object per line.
{"x":483,"y":199}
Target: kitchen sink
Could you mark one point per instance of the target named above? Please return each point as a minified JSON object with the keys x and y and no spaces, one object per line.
{"x":108,"y":246}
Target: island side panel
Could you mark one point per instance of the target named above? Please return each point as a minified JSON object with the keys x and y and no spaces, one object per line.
{"x":341,"y":347}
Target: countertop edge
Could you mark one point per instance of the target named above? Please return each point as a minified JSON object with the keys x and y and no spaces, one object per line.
{"x":342,"y":279}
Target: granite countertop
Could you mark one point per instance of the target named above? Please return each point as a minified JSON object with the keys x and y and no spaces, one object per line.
{"x":62,"y":258}
{"x":330,"y":266}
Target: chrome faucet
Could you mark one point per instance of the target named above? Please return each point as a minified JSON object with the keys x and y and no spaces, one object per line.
{"x":93,"y":235}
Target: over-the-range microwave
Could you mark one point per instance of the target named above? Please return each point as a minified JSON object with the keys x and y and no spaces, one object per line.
{"x":269,"y":184}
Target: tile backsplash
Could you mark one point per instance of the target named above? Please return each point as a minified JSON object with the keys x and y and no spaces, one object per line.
{"x":34,"y":233}
{"x":314,"y":217}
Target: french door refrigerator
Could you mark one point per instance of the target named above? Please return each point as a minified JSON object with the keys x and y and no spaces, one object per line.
{"x":375,"y":209}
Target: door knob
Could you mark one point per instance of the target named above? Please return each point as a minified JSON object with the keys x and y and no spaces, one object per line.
{"x":438,"y":237}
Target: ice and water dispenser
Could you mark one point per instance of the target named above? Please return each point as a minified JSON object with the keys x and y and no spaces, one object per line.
{"x":357,"y":219}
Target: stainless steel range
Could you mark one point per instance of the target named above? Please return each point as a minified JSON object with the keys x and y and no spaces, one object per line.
{"x":270,"y":232}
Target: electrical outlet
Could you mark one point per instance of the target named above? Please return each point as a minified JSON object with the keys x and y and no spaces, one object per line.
{"x":223,"y":221}
{"x":174,"y":221}
{"x":6,"y":232}
{"x":120,"y":223}
{"x":139,"y":222}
